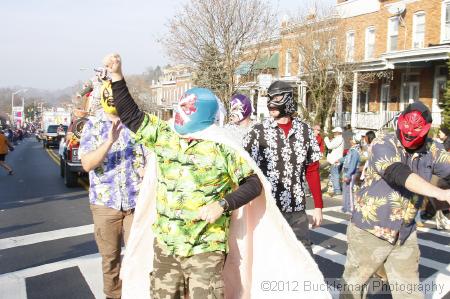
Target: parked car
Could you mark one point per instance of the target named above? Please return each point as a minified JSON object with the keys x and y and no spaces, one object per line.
{"x":70,"y":163}
{"x":52,"y":136}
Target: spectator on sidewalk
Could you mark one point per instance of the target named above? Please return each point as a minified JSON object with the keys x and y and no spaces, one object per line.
{"x":368,"y":138}
{"x":349,"y":169}
{"x":109,"y":152}
{"x":286,"y":150}
{"x":382,"y":229}
{"x":319,"y":138}
{"x":444,"y":136}
{"x":10,"y":134}
{"x":336,"y":145}
{"x":347,"y":135}
{"x":5,"y":147}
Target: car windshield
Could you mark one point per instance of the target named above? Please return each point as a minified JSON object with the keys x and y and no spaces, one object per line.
{"x":54,"y":129}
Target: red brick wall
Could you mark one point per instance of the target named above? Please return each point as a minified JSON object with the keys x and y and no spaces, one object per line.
{"x":379,"y":20}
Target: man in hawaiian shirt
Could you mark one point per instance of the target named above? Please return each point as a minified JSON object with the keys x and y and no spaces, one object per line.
{"x":114,"y":162}
{"x":195,"y":196}
{"x":383,"y":229}
{"x":286,"y":150}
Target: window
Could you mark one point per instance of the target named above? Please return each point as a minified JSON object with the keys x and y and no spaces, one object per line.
{"x":393,"y":34}
{"x":445,"y":28}
{"x":316,"y":54}
{"x":385,"y":88}
{"x":287,"y":66}
{"x":370,"y":43}
{"x":410,"y":89}
{"x":418,"y":30}
{"x":332,"y":47}
{"x":363,"y":99}
{"x":350,"y":48}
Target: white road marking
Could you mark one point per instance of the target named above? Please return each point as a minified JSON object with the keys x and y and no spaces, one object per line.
{"x":420,"y":241}
{"x":46,"y":236}
{"x":13,"y":283}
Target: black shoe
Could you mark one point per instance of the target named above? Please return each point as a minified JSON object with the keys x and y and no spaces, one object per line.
{"x":10,"y":172}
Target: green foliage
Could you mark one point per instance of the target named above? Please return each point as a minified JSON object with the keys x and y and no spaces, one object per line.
{"x":445,"y":103}
{"x":210,"y":73}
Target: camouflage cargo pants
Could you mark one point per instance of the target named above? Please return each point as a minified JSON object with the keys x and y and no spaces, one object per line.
{"x":366,"y":253}
{"x":199,"y":275}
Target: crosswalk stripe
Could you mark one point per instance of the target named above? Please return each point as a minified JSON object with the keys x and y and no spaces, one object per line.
{"x":45,"y":236}
{"x":440,"y":279}
{"x":90,"y":267}
{"x":420,"y":241}
{"x":92,"y":272}
{"x":434,"y":231}
{"x":442,"y":233}
{"x":13,"y":288}
{"x":336,"y":235}
{"x":329,"y":254}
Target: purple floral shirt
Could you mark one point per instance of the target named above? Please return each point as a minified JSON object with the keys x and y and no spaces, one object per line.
{"x":115,"y":184}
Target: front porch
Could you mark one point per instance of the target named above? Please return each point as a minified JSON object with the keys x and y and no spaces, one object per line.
{"x":374,"y":120}
{"x":395,"y":80}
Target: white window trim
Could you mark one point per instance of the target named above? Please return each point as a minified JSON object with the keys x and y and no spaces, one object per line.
{"x":349,"y":58}
{"x":443,"y":11}
{"x":419,"y":13}
{"x":389,"y":33}
{"x":366,"y":44}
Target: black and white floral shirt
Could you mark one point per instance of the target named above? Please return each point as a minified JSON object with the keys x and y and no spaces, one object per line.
{"x":283,"y":159}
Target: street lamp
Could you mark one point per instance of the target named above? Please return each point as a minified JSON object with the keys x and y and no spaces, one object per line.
{"x":12,"y":103}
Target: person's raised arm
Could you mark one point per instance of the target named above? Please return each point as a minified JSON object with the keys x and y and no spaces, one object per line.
{"x":128,"y":111}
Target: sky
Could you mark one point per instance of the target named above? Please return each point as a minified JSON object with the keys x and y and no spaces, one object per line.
{"x":52,"y":44}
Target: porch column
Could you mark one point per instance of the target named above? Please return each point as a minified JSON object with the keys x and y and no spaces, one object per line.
{"x":354,"y":99}
{"x":339,"y":101}
{"x":252,"y":101}
{"x":303,"y":93}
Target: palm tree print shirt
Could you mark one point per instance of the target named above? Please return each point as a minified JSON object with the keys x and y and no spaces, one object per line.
{"x":387,"y":210}
{"x":191,"y":174}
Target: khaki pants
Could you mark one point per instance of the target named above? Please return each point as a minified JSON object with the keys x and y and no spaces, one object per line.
{"x":199,"y":275}
{"x":110,"y":226}
{"x":366,"y":253}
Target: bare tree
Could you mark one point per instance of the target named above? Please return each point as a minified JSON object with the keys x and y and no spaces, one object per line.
{"x":140,"y":90}
{"x":318,"y":44}
{"x":221,"y":28}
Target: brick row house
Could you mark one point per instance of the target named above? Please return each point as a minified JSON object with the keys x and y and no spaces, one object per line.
{"x":166,"y":92}
{"x":398,"y":49}
{"x":406,"y":44}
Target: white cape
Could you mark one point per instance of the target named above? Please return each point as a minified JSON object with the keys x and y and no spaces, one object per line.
{"x":265,"y":258}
